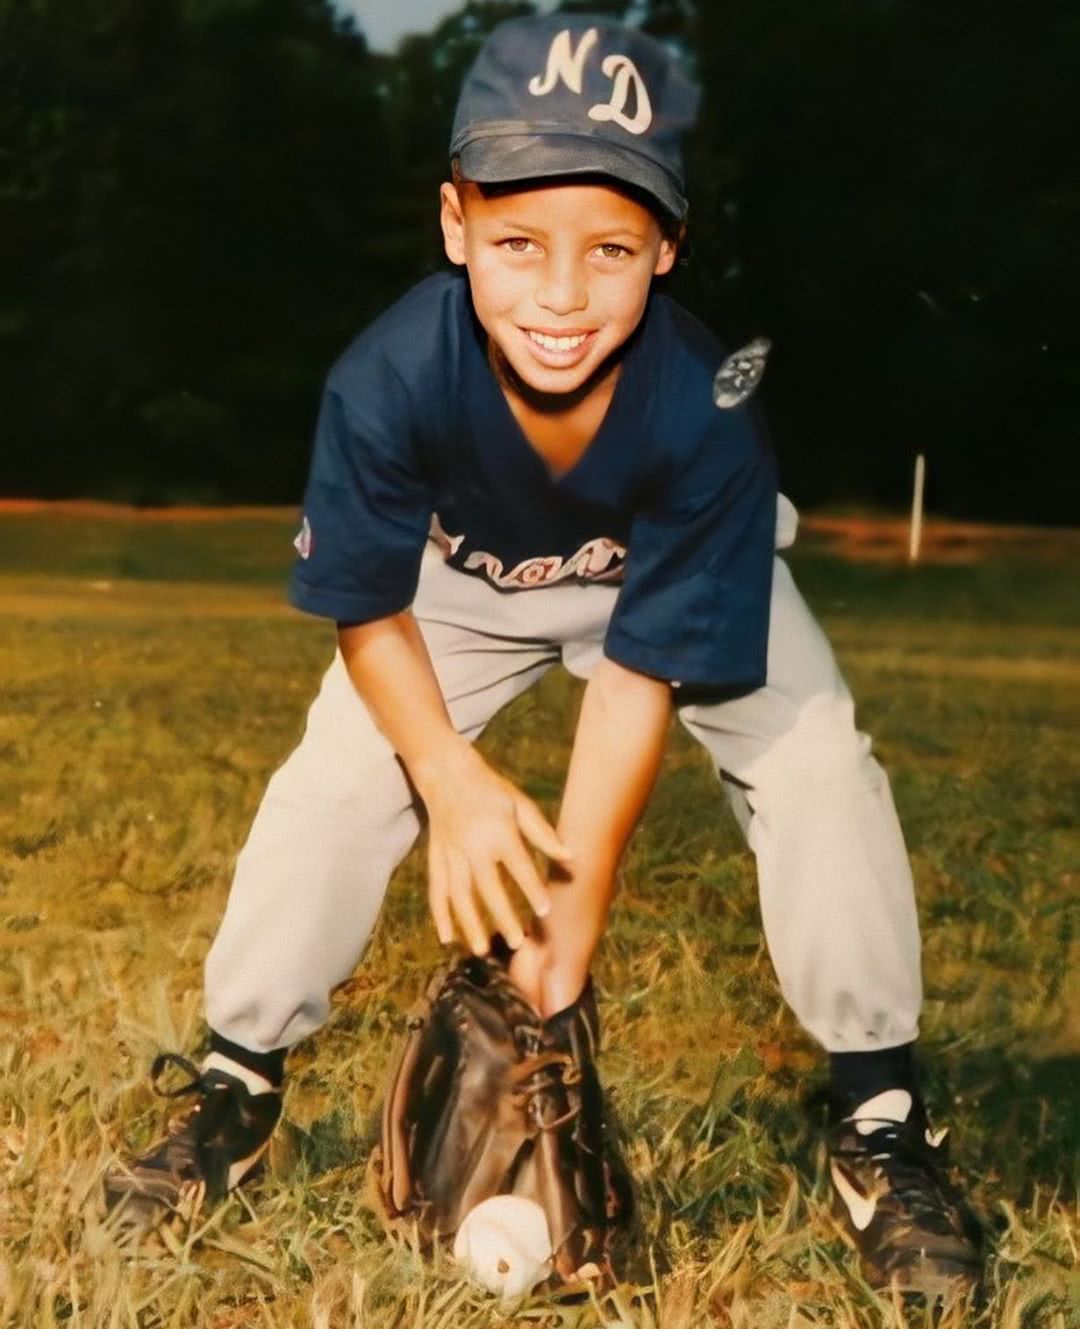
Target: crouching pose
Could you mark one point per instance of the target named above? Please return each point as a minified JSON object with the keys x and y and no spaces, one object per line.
{"x":535,"y":458}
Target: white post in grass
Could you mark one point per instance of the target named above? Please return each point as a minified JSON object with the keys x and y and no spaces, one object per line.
{"x":915,"y":539}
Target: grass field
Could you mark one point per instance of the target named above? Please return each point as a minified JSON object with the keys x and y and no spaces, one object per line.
{"x":151,"y":678}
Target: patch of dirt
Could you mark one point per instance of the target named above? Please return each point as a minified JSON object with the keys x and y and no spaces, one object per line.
{"x":886,"y":539}
{"x":88,"y":507}
{"x":862,"y":538}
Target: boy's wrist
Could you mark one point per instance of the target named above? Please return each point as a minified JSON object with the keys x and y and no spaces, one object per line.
{"x":596,"y":857}
{"x":439,"y":762}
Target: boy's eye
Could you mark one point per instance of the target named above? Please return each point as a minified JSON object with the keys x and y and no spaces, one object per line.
{"x":613,"y":250}
{"x":517,"y":244}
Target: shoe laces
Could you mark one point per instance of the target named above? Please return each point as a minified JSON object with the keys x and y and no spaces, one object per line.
{"x":214,"y":1091}
{"x":911,"y":1165}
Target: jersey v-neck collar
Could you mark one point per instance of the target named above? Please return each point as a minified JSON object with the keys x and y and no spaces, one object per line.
{"x":613,"y":451}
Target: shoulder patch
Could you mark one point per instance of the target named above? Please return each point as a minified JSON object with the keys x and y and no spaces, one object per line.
{"x":304,"y":541}
{"x":740,"y":374}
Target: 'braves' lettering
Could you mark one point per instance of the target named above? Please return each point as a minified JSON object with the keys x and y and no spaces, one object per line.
{"x":568,"y":65}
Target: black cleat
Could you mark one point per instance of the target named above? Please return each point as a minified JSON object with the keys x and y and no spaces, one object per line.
{"x":208,"y":1150}
{"x":910,"y":1224}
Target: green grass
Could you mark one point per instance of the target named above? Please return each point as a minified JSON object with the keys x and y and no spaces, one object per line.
{"x":150,"y":679}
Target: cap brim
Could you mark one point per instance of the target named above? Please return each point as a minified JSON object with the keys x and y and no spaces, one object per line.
{"x":504,"y":158}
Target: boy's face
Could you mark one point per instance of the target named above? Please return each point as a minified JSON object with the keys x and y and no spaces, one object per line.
{"x":559,"y":273}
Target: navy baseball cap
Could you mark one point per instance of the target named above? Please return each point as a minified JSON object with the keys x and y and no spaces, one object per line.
{"x":575,"y":94}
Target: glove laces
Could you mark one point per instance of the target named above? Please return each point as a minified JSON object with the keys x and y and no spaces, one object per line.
{"x":538,"y":1073}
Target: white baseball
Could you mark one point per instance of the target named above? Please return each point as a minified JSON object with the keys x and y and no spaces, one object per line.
{"x":504,"y":1245}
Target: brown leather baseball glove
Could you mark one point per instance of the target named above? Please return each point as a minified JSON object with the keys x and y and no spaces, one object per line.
{"x":487,"y":1099}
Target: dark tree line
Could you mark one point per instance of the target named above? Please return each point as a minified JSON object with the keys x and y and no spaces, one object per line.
{"x":201,"y":201}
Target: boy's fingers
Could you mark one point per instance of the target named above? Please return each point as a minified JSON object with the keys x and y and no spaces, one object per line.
{"x":520,"y":866}
{"x":470,"y":924}
{"x":494,"y":895}
{"x":536,"y":828}
{"x":438,"y":897}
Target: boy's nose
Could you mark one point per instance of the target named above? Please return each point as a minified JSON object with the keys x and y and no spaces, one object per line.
{"x":562,"y":290}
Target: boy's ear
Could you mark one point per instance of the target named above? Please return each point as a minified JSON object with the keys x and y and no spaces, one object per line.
{"x":452,"y":220}
{"x":668,"y":253}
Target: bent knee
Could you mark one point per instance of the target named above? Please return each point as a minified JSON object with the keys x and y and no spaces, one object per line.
{"x":822,"y":748}
{"x":373,"y":789}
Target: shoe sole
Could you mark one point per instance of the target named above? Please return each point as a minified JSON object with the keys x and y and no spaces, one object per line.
{"x":935,"y":1282}
{"x":932,"y":1277}
{"x":144,"y":1198}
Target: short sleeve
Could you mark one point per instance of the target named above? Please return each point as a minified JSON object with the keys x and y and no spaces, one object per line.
{"x":367,"y":507}
{"x":694,"y":605}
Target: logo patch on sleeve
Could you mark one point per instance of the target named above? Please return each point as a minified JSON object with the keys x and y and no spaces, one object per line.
{"x":740,"y":374}
{"x":305,"y":541}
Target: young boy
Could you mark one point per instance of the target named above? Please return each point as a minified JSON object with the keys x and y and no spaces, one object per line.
{"x":532,"y":459}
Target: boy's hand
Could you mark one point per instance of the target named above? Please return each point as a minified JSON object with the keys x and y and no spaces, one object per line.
{"x":479,"y":824}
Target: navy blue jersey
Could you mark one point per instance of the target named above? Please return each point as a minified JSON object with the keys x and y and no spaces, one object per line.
{"x":674,"y":498}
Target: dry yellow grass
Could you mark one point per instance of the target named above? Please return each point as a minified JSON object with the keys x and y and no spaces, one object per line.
{"x":138,"y":724}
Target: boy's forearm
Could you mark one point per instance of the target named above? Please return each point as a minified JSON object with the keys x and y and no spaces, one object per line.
{"x":618,"y":747}
{"x":388,"y":663}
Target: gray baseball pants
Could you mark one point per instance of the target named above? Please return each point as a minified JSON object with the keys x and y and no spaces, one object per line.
{"x":337,"y":818}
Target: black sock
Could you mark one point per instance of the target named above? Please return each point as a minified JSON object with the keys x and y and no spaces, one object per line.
{"x":270,"y":1065}
{"x":857,"y":1076}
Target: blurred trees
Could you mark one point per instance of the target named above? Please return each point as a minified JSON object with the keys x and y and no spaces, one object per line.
{"x":201,"y":201}
{"x":895,"y":184}
{"x":192,"y":216}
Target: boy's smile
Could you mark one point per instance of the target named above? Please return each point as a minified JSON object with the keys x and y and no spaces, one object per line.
{"x":559,"y":274}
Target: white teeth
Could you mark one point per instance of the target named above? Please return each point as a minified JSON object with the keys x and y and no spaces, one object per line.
{"x":557,"y":343}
